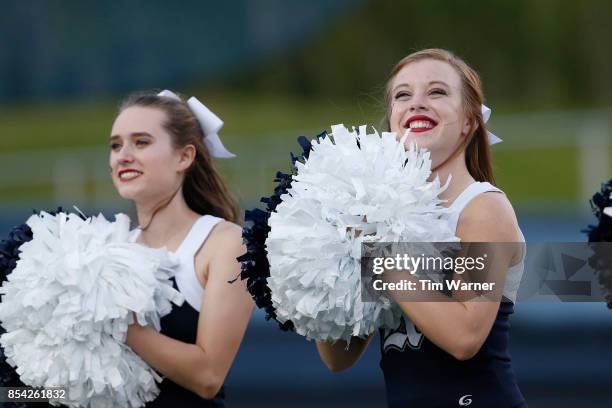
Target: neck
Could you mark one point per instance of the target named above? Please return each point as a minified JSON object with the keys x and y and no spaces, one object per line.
{"x":461,"y":178}
{"x":167,"y":223}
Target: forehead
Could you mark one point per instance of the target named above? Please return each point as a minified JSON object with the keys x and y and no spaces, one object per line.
{"x":425,"y":71}
{"x":139,"y":119}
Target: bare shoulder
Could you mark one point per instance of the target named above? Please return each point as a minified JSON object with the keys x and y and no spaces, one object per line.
{"x":227,"y":236}
{"x":223,"y":246}
{"x":489,"y":217}
{"x":227,"y":229}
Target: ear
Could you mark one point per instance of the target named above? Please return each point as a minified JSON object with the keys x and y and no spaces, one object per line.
{"x":188,"y":154}
{"x":468,"y":126}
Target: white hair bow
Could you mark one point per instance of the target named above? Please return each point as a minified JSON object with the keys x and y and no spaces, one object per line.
{"x":210,"y":123}
{"x":486,"y":114}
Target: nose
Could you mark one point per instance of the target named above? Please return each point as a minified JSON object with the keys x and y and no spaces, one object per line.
{"x":417,"y":103}
{"x":124,"y":156}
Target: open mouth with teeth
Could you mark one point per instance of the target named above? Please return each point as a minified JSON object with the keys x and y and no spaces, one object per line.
{"x":128,"y":175}
{"x":420,"y":123}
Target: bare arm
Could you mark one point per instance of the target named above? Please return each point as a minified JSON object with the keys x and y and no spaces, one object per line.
{"x":460,"y":328}
{"x":337,"y":357}
{"x":225,"y":313}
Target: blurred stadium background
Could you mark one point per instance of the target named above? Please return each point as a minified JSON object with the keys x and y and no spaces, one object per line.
{"x":274,"y":70}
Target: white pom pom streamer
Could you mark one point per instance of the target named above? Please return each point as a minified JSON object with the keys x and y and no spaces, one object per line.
{"x":352,"y":188}
{"x":68,"y":303}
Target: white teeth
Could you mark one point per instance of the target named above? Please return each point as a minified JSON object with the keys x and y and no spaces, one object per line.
{"x":421,"y":124}
{"x":129,"y":175}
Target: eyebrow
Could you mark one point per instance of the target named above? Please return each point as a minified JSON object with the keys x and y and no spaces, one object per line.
{"x":429,"y":84}
{"x":132,"y":135}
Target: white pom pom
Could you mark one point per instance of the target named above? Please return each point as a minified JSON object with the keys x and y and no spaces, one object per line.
{"x":366,"y":183}
{"x":67,"y":305}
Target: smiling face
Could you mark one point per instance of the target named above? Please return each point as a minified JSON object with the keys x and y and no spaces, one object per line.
{"x":426,"y":97}
{"x":145,"y":165}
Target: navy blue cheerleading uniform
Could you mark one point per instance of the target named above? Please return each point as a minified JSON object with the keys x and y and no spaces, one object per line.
{"x":182,"y":323}
{"x":420,"y":374}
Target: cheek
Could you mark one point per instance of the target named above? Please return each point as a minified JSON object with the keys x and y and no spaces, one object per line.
{"x":159,"y":166}
{"x":113,"y":163}
{"x":154,"y":157}
{"x":397,"y":108}
{"x":451,"y":118}
{"x":451,"y":108}
{"x":395,"y":116}
{"x":112,"y":160}
{"x":446,"y":107}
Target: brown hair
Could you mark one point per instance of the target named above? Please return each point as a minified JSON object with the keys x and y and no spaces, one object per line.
{"x":203,"y":188}
{"x":477,"y":148}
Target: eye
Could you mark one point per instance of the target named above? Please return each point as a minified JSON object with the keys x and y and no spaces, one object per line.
{"x":437,"y":91}
{"x":402,"y":95}
{"x":142,"y":142}
{"x":115,"y":146}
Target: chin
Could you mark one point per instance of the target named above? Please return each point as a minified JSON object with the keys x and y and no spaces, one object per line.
{"x":127,"y":193}
{"x":430,"y":140}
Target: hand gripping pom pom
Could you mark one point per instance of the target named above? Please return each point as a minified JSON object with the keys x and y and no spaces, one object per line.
{"x":347,"y":189}
{"x":67,"y":304}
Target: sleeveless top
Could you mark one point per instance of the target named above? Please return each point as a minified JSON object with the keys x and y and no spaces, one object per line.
{"x":418,"y":373}
{"x":182,"y":323}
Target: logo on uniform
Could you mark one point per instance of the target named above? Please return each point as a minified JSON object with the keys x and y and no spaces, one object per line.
{"x":465,"y":400}
{"x":406,"y":335}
